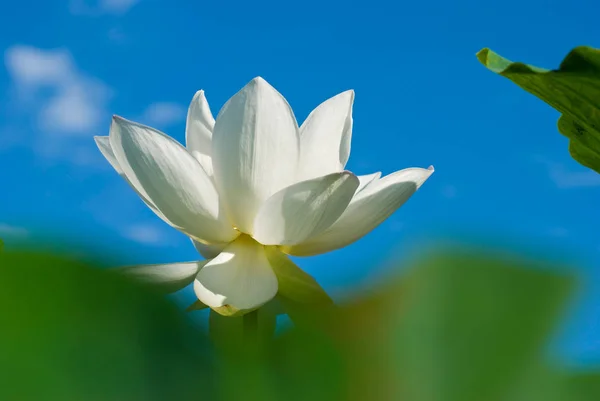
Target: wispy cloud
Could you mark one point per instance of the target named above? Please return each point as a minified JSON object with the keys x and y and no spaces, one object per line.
{"x":145,"y":234}
{"x":573,"y":179}
{"x":48,"y":83}
{"x":7,"y":230}
{"x":100,"y":7}
{"x":162,"y":114}
{"x":568,"y":178}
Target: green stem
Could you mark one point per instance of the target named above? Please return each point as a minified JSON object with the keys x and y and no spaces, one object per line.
{"x":250,"y":327}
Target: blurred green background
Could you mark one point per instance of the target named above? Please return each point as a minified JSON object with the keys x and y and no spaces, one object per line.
{"x":454,"y":326}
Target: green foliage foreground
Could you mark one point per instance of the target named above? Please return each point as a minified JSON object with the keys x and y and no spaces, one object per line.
{"x":454,"y":327}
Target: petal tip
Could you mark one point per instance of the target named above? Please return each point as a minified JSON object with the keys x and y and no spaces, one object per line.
{"x":118,"y":123}
{"x":116,"y":119}
{"x":198,"y":94}
{"x":348,"y":172}
{"x":430,"y":168}
{"x":259,"y":82}
{"x":346,"y":96}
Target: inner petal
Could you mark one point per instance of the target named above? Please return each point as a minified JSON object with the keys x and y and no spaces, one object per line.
{"x":239,"y":277}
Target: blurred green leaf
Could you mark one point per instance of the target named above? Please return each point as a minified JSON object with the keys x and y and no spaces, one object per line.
{"x":309,"y":364}
{"x":243,"y":343}
{"x":454,"y":328}
{"x":573,"y":90}
{"x":469,"y":326}
{"x":579,"y":387}
{"x":71,"y":331}
{"x":548,"y":382}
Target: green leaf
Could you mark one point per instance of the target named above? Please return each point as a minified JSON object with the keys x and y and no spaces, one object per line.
{"x":453,"y":328}
{"x":583,"y":386}
{"x":75,"y":331}
{"x":548,"y":382}
{"x":469,"y":326}
{"x":573,"y":90}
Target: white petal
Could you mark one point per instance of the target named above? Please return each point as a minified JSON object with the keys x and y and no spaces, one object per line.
{"x":208,"y":251}
{"x":305,"y":209}
{"x":206,"y":163}
{"x":165,"y":173}
{"x":240,"y":277}
{"x":198,"y":131}
{"x":103,"y":143}
{"x":368,"y":209}
{"x":367,"y":179}
{"x":255,"y":150}
{"x":164,"y":277}
{"x":325,"y":137}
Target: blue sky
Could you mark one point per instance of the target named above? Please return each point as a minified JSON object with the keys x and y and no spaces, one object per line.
{"x":502,"y":169}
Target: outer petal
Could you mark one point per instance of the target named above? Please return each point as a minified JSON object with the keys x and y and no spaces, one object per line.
{"x":103,"y":144}
{"x":240,"y":277}
{"x":198,"y":131}
{"x":255,"y":150}
{"x":164,"y":277}
{"x":325,"y":137}
{"x":368,"y":209}
{"x":162,"y":170}
{"x":305,"y":209}
{"x":367,"y":179}
{"x":208,"y":251}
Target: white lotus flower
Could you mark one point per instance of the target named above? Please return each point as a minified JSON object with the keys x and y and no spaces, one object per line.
{"x":251,"y":187}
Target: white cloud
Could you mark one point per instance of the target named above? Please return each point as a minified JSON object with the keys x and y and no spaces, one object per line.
{"x":13,"y":231}
{"x":163,"y":114}
{"x":31,"y":66}
{"x":144,"y":234}
{"x":117,"y":6}
{"x":573,"y":179}
{"x":567,"y":178}
{"x":76,"y":103}
{"x":76,"y":109}
{"x":99,"y":7}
